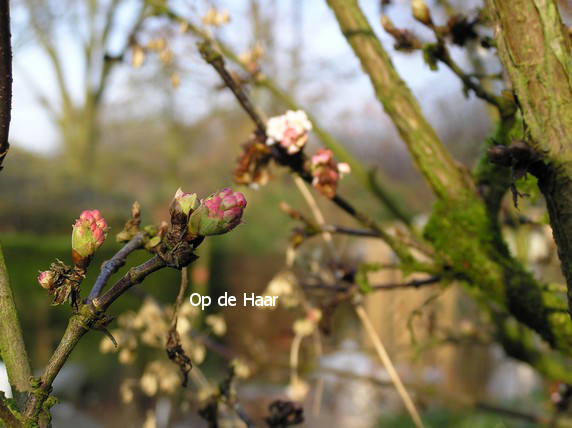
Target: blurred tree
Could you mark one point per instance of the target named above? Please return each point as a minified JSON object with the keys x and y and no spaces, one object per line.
{"x":94,"y":24}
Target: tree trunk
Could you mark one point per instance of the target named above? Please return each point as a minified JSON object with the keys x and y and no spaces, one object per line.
{"x":535,"y":48}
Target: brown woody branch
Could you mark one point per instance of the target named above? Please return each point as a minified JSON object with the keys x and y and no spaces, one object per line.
{"x":505,"y":107}
{"x":89,"y":316}
{"x":5,"y":78}
{"x":313,"y":228}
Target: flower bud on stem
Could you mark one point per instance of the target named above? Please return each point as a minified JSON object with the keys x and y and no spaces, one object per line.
{"x":89,"y":232}
{"x":219,"y":213}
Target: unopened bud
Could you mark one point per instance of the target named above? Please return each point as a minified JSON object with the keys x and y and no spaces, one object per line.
{"x":421,"y":12}
{"x":219,"y":213}
{"x":47,"y":279}
{"x":89,"y":232}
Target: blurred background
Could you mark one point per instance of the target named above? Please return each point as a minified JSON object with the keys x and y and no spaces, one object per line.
{"x":113,"y":105}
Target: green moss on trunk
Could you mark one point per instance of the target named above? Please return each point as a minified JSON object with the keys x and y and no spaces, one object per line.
{"x":466,"y":242}
{"x":536,"y":50}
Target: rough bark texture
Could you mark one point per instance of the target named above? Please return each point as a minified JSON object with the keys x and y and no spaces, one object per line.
{"x":536,"y":51}
{"x":12,"y":349}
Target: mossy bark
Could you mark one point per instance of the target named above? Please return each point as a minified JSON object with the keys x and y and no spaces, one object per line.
{"x":536,"y":51}
{"x":468,"y":243}
{"x":12,"y":349}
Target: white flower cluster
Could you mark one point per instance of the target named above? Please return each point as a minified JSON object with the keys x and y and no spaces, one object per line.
{"x":290,"y":130}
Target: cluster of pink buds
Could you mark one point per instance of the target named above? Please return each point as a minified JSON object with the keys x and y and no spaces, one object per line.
{"x":326,"y":172}
{"x":219,"y":213}
{"x":290,"y":130}
{"x":89,"y":232}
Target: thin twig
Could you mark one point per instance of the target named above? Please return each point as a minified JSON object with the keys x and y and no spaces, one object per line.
{"x":226,"y":394}
{"x":216,"y":60}
{"x":294,"y":354}
{"x":112,"y":265}
{"x":325,"y":228}
{"x":133,"y":277}
{"x":241,"y":413}
{"x":173,"y":346}
{"x":319,"y":390}
{"x":504,"y":106}
{"x":414,"y":283}
{"x":180,"y":296}
{"x":301,"y":185}
{"x":382,"y":353}
{"x":297,"y":215}
{"x":342,"y":230}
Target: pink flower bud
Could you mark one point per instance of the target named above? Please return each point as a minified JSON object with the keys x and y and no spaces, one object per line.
{"x":322,"y":157}
{"x":47,"y":279}
{"x":219,"y":213}
{"x":89,"y":232}
{"x":326,"y":172}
